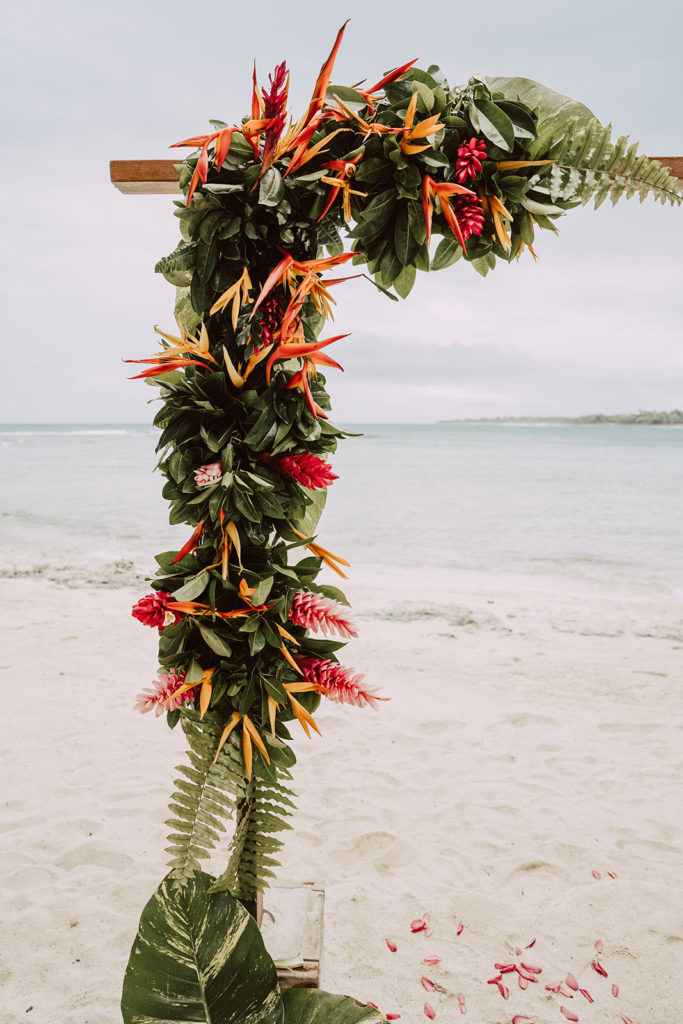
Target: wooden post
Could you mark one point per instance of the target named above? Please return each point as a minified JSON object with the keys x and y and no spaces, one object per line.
{"x":160,"y":177}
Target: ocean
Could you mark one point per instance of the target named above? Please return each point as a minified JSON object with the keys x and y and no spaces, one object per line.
{"x":81,"y":502}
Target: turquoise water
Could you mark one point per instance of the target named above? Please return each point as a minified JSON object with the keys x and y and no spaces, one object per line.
{"x":594,"y":502}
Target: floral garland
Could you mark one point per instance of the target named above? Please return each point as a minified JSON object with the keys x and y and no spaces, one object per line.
{"x":245,"y":435}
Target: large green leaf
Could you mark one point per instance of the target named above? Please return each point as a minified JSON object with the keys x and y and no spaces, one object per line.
{"x":199,"y":958}
{"x":308,"y":522}
{"x":310,"y":1006}
{"x":555,"y":110}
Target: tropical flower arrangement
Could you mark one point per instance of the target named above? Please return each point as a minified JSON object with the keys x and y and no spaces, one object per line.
{"x":248,"y":638}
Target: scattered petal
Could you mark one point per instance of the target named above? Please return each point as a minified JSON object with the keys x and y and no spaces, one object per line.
{"x":461,"y":1003}
{"x":504,"y":968}
{"x":572,"y":982}
{"x":494,"y":981}
{"x":432,"y":960}
{"x":531,"y":968}
{"x":598,"y":946}
{"x":568,"y":1013}
{"x":429,"y":932}
{"x":627,"y":1020}
{"x":504,"y":990}
{"x":461,"y":928}
{"x":373,"y":1005}
{"x":427,"y":984}
{"x":393,"y":1016}
{"x":563,"y":992}
{"x":615,"y":991}
{"x":522,"y":982}
{"x":531,"y":944}
{"x":612,"y":874}
{"x":598,"y":968}
{"x":596,"y":875}
{"x":429,"y":1011}
{"x":526,"y":974}
{"x":417,"y":925}
{"x":518,"y":951}
{"x":391,"y":945}
{"x":519,"y":1019}
{"x":554,"y":988}
{"x":586,"y":995}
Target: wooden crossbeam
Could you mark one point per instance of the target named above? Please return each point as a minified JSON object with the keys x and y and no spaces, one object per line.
{"x":160,"y":178}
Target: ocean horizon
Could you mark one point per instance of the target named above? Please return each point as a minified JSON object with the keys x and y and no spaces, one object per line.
{"x":580,"y":502}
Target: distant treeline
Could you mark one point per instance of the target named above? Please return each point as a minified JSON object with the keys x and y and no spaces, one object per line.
{"x":642,"y":418}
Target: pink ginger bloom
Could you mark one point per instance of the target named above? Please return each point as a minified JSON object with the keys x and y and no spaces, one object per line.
{"x":207,"y":474}
{"x":153,"y":610}
{"x":160,"y":697}
{"x":320,"y":614}
{"x":338,"y":683}
{"x":308,"y":470}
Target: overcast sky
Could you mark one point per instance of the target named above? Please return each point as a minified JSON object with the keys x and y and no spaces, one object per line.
{"x":594,"y":326}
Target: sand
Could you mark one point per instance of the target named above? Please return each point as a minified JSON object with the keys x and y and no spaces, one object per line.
{"x":533,"y":737}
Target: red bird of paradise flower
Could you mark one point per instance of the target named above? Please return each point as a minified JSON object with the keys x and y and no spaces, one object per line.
{"x":393,"y":76}
{"x":442,"y":191}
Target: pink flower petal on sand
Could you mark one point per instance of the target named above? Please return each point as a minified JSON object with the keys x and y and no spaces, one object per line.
{"x":563,"y":992}
{"x":531,"y":944}
{"x":572,"y":982}
{"x":554,"y":988}
{"x":524,"y":972}
{"x":627,"y":1020}
{"x":612,"y":874}
{"x":598,"y":968}
{"x":568,"y":1014}
{"x":615,"y":991}
{"x":494,"y":981}
{"x":461,"y":928}
{"x":427,"y":984}
{"x":461,"y":1002}
{"x":504,"y":990}
{"x":523,"y":983}
{"x":586,"y":995}
{"x":504,"y":968}
{"x":598,"y":946}
{"x":418,"y":925}
{"x":373,"y":1005}
{"x":429,"y":1011}
{"x":426,"y":918}
{"x":429,"y":932}
{"x":596,"y":875}
{"x":393,"y":1016}
{"x":391,"y":945}
{"x":531,"y":968}
{"x":432,"y":960}
{"x":518,"y":950}
{"x":519,"y":1019}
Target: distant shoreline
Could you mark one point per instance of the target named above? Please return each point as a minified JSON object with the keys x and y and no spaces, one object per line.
{"x":638,"y":419}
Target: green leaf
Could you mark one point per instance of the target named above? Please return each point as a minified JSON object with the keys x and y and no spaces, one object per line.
{"x":448,"y":251}
{"x":495,"y":124}
{"x":404,"y":281}
{"x":555,"y":111}
{"x":272,"y":188}
{"x":193,"y":588}
{"x":217,"y":644}
{"x":349,"y":97}
{"x":311,"y":1006}
{"x":199,"y":958}
{"x":307,"y":523}
{"x":405,"y":245}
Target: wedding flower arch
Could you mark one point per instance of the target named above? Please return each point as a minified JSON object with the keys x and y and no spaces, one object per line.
{"x":270,"y":205}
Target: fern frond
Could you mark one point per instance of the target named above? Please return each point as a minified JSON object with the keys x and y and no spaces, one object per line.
{"x":260,"y":813}
{"x":205,"y":793}
{"x":589,"y":165}
{"x":178,"y":266}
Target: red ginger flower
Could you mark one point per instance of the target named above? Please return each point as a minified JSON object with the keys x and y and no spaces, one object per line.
{"x":153,"y":610}
{"x":337,"y":683}
{"x":320,"y":614}
{"x":469,"y":160}
{"x":308,"y":470}
{"x":270,"y":321}
{"x":161,"y":696}
{"x":470,"y":215}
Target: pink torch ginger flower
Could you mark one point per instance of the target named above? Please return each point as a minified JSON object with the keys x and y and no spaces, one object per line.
{"x":207,"y":474}
{"x":338,"y":683}
{"x":153,"y":610}
{"x":320,"y":614}
{"x":160,"y":697}
{"x":308,"y":470}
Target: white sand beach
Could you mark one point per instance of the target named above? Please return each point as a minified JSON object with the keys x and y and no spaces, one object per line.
{"x":533,"y":737}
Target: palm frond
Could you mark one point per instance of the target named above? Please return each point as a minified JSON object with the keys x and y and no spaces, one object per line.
{"x":588,"y":165}
{"x":205,"y":793}
{"x":260,"y":814}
